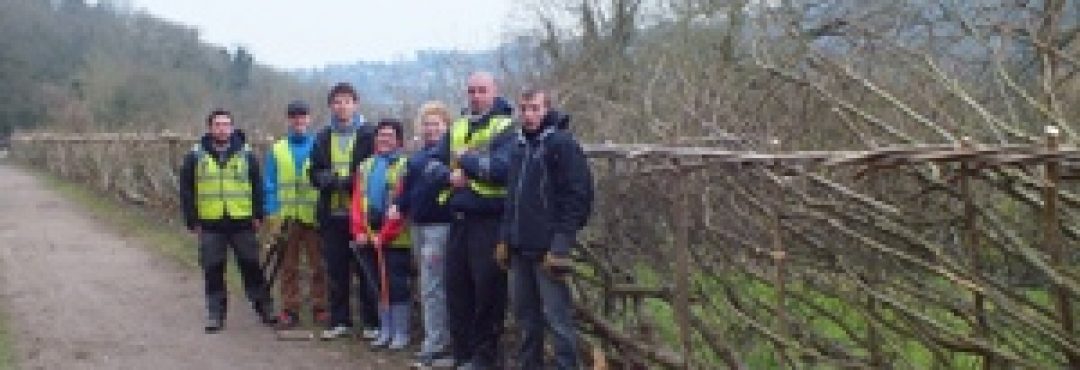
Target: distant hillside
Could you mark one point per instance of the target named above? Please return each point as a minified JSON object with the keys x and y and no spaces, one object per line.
{"x":431,"y":74}
{"x":78,"y":66}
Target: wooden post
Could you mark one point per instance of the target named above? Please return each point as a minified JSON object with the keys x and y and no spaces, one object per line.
{"x":608,"y":304}
{"x":778,"y":256}
{"x":877,"y":358}
{"x":1053,"y":243}
{"x":172,"y":143}
{"x":681,"y":267}
{"x":971,"y":245}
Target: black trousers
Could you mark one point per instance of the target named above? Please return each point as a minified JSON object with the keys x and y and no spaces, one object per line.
{"x":341,"y":267}
{"x":475,"y":291}
{"x":213,"y":251}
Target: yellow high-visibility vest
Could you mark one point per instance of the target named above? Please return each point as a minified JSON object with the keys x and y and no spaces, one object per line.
{"x":294,"y":191}
{"x":460,"y":140}
{"x":340,"y":159}
{"x":393,"y":175}
{"x":221,"y":191}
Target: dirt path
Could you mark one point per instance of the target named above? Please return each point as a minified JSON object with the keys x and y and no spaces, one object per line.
{"x":80,"y":297}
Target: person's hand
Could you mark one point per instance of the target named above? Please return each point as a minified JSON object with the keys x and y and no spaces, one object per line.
{"x":273,"y":224}
{"x":502,"y":256}
{"x":361,"y":240}
{"x":457,"y":178}
{"x":394,"y":213}
{"x":558,"y":266}
{"x":375,"y":242}
{"x":255,"y":223}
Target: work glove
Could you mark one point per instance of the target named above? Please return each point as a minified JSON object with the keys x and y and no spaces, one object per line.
{"x":557,"y":260}
{"x":269,"y":231}
{"x":502,"y":256}
{"x":558,"y":266}
{"x":273,"y":225}
{"x":367,"y":241}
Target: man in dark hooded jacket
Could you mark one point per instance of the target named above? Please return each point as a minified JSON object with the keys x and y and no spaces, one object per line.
{"x":549,"y":198}
{"x":338,"y":149}
{"x":221,"y":193}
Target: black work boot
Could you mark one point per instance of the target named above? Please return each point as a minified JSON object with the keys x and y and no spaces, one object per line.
{"x":266,"y":316}
{"x":214,"y":325}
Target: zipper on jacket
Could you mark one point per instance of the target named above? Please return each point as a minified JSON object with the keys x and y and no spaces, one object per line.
{"x":221,"y":186}
{"x":521,"y":181}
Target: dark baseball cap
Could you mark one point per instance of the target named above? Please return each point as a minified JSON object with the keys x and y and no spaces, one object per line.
{"x":297,"y":108}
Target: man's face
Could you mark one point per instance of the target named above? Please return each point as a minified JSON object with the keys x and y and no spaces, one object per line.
{"x":221,"y":128}
{"x":432,"y":128}
{"x":299,"y":122}
{"x":386,"y":140}
{"x":481,"y":91}
{"x":533,"y":111}
{"x":343,"y":106}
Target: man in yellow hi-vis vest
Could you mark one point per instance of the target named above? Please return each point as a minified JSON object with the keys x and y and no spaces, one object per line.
{"x":222,"y":193}
{"x":290,"y":199}
{"x":338,"y":149}
{"x":471,"y":163}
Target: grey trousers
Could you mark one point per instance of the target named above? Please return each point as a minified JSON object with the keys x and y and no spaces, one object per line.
{"x":213,"y":251}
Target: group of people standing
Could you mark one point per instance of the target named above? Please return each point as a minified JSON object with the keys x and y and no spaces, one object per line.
{"x":489,"y":197}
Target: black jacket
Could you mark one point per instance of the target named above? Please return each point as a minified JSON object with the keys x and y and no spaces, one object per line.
{"x":489,"y":166}
{"x":237,"y":143}
{"x":550,"y":192}
{"x":322,"y":174}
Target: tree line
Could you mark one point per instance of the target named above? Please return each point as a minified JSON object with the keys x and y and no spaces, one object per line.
{"x":76,"y":66}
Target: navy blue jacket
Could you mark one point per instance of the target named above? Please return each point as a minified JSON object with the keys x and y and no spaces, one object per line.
{"x":187,"y":186}
{"x":420,"y":198}
{"x":489,"y":166}
{"x":550,"y":192}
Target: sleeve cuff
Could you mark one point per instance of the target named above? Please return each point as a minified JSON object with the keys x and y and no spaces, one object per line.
{"x":561,"y":244}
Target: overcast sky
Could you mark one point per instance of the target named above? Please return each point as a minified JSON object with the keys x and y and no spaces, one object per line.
{"x":313,"y":33}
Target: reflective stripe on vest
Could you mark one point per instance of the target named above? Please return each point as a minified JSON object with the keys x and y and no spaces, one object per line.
{"x":393,"y":175}
{"x":222,"y":191}
{"x":294,"y":191}
{"x":340,"y":159}
{"x":460,"y":141}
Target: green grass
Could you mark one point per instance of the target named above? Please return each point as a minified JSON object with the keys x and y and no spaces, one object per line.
{"x":758,"y":353}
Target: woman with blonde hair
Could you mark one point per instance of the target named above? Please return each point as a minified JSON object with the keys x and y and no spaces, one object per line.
{"x":430,"y":225}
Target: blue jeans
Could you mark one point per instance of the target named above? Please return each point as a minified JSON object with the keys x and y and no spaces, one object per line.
{"x":541,"y":302}
{"x":429,"y":247}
